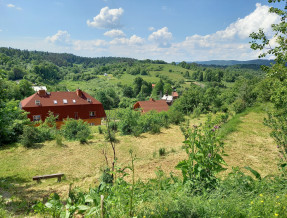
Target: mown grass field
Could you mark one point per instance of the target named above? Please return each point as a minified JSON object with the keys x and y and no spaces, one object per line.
{"x":248,"y":145}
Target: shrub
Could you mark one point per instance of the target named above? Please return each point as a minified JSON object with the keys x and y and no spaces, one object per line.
{"x":100,"y":130}
{"x":162,"y":152}
{"x":175,"y":116}
{"x":239,"y":105}
{"x":129,"y":122}
{"x":30,"y":136}
{"x":76,"y":130}
{"x":204,"y":150}
{"x":59,"y":140}
{"x":114,"y":126}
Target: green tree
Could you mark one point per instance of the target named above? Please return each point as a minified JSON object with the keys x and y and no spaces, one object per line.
{"x":76,"y":130}
{"x":167,"y":89}
{"x":278,"y":74}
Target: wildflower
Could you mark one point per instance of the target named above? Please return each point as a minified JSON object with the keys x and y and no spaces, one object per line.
{"x":277,"y":196}
{"x":251,"y":202}
{"x":151,"y":213}
{"x":209,"y":155}
{"x":261,"y":195}
{"x":262,"y":201}
{"x":143,"y":216}
{"x":216,"y":127}
{"x":276,"y":214}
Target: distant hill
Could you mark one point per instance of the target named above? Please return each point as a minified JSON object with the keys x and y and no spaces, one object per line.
{"x":234,"y":62}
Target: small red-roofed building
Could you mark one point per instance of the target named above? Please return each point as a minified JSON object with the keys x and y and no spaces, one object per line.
{"x":76,"y":105}
{"x":156,"y":105}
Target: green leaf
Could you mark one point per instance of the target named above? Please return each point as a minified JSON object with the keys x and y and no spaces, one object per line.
{"x":254,"y":172}
{"x":83,"y":207}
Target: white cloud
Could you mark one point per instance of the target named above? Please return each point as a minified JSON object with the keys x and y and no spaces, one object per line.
{"x":62,"y":37}
{"x":260,"y":18}
{"x":133,"y":40}
{"x":13,"y":6}
{"x":115,"y":33}
{"x":232,"y":42}
{"x":162,"y":37}
{"x":151,"y":28}
{"x":229,"y":43}
{"x":107,"y":18}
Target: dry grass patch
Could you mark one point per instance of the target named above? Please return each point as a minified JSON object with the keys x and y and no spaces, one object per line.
{"x":251,"y":145}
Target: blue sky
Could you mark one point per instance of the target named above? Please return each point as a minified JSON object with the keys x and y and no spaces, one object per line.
{"x":170,"y":30}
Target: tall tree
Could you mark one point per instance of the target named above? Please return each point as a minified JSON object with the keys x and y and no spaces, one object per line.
{"x":277,"y":73}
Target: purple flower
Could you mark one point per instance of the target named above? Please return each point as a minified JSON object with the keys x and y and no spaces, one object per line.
{"x":216,"y":127}
{"x":209,"y":155}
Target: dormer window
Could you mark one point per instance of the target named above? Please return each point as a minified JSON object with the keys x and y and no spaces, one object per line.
{"x":37,"y":102}
{"x":74,"y":101}
{"x":55,"y":102}
{"x":65,"y":101}
{"x":89,"y":100}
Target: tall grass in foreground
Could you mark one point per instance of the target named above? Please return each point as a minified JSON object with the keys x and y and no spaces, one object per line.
{"x":239,"y":195}
{"x":200,"y":194}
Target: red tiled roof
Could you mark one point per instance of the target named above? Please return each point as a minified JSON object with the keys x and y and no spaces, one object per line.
{"x":174,"y":94}
{"x":157,"y":105}
{"x":48,"y":99}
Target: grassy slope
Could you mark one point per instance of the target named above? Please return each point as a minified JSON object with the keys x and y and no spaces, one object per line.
{"x":249,"y":145}
{"x":127,"y":79}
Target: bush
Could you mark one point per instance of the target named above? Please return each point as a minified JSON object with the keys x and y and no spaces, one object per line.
{"x":30,"y":136}
{"x":129,"y":122}
{"x":239,"y":105}
{"x":76,"y":130}
{"x":59,"y":140}
{"x":162,"y":152}
{"x":114,"y":126}
{"x":175,"y":117}
{"x":100,"y":130}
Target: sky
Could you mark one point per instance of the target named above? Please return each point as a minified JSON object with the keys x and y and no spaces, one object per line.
{"x":169,"y":30}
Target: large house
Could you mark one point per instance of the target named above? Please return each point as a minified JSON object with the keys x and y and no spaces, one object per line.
{"x":76,"y":105}
{"x":157,"y":105}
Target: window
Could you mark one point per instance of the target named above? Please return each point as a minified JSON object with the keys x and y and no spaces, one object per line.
{"x":89,"y":100}
{"x":36,"y":117}
{"x":55,"y":102}
{"x":65,"y":101}
{"x":92,"y":113}
{"x":91,"y":124}
{"x":74,"y":101}
{"x":37,"y":102}
{"x":76,"y":115}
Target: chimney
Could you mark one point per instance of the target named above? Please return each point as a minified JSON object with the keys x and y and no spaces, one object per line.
{"x":42,"y":93}
{"x":79,"y":93}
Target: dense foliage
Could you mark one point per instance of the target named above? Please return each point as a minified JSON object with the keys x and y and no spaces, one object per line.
{"x":276,"y":80}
